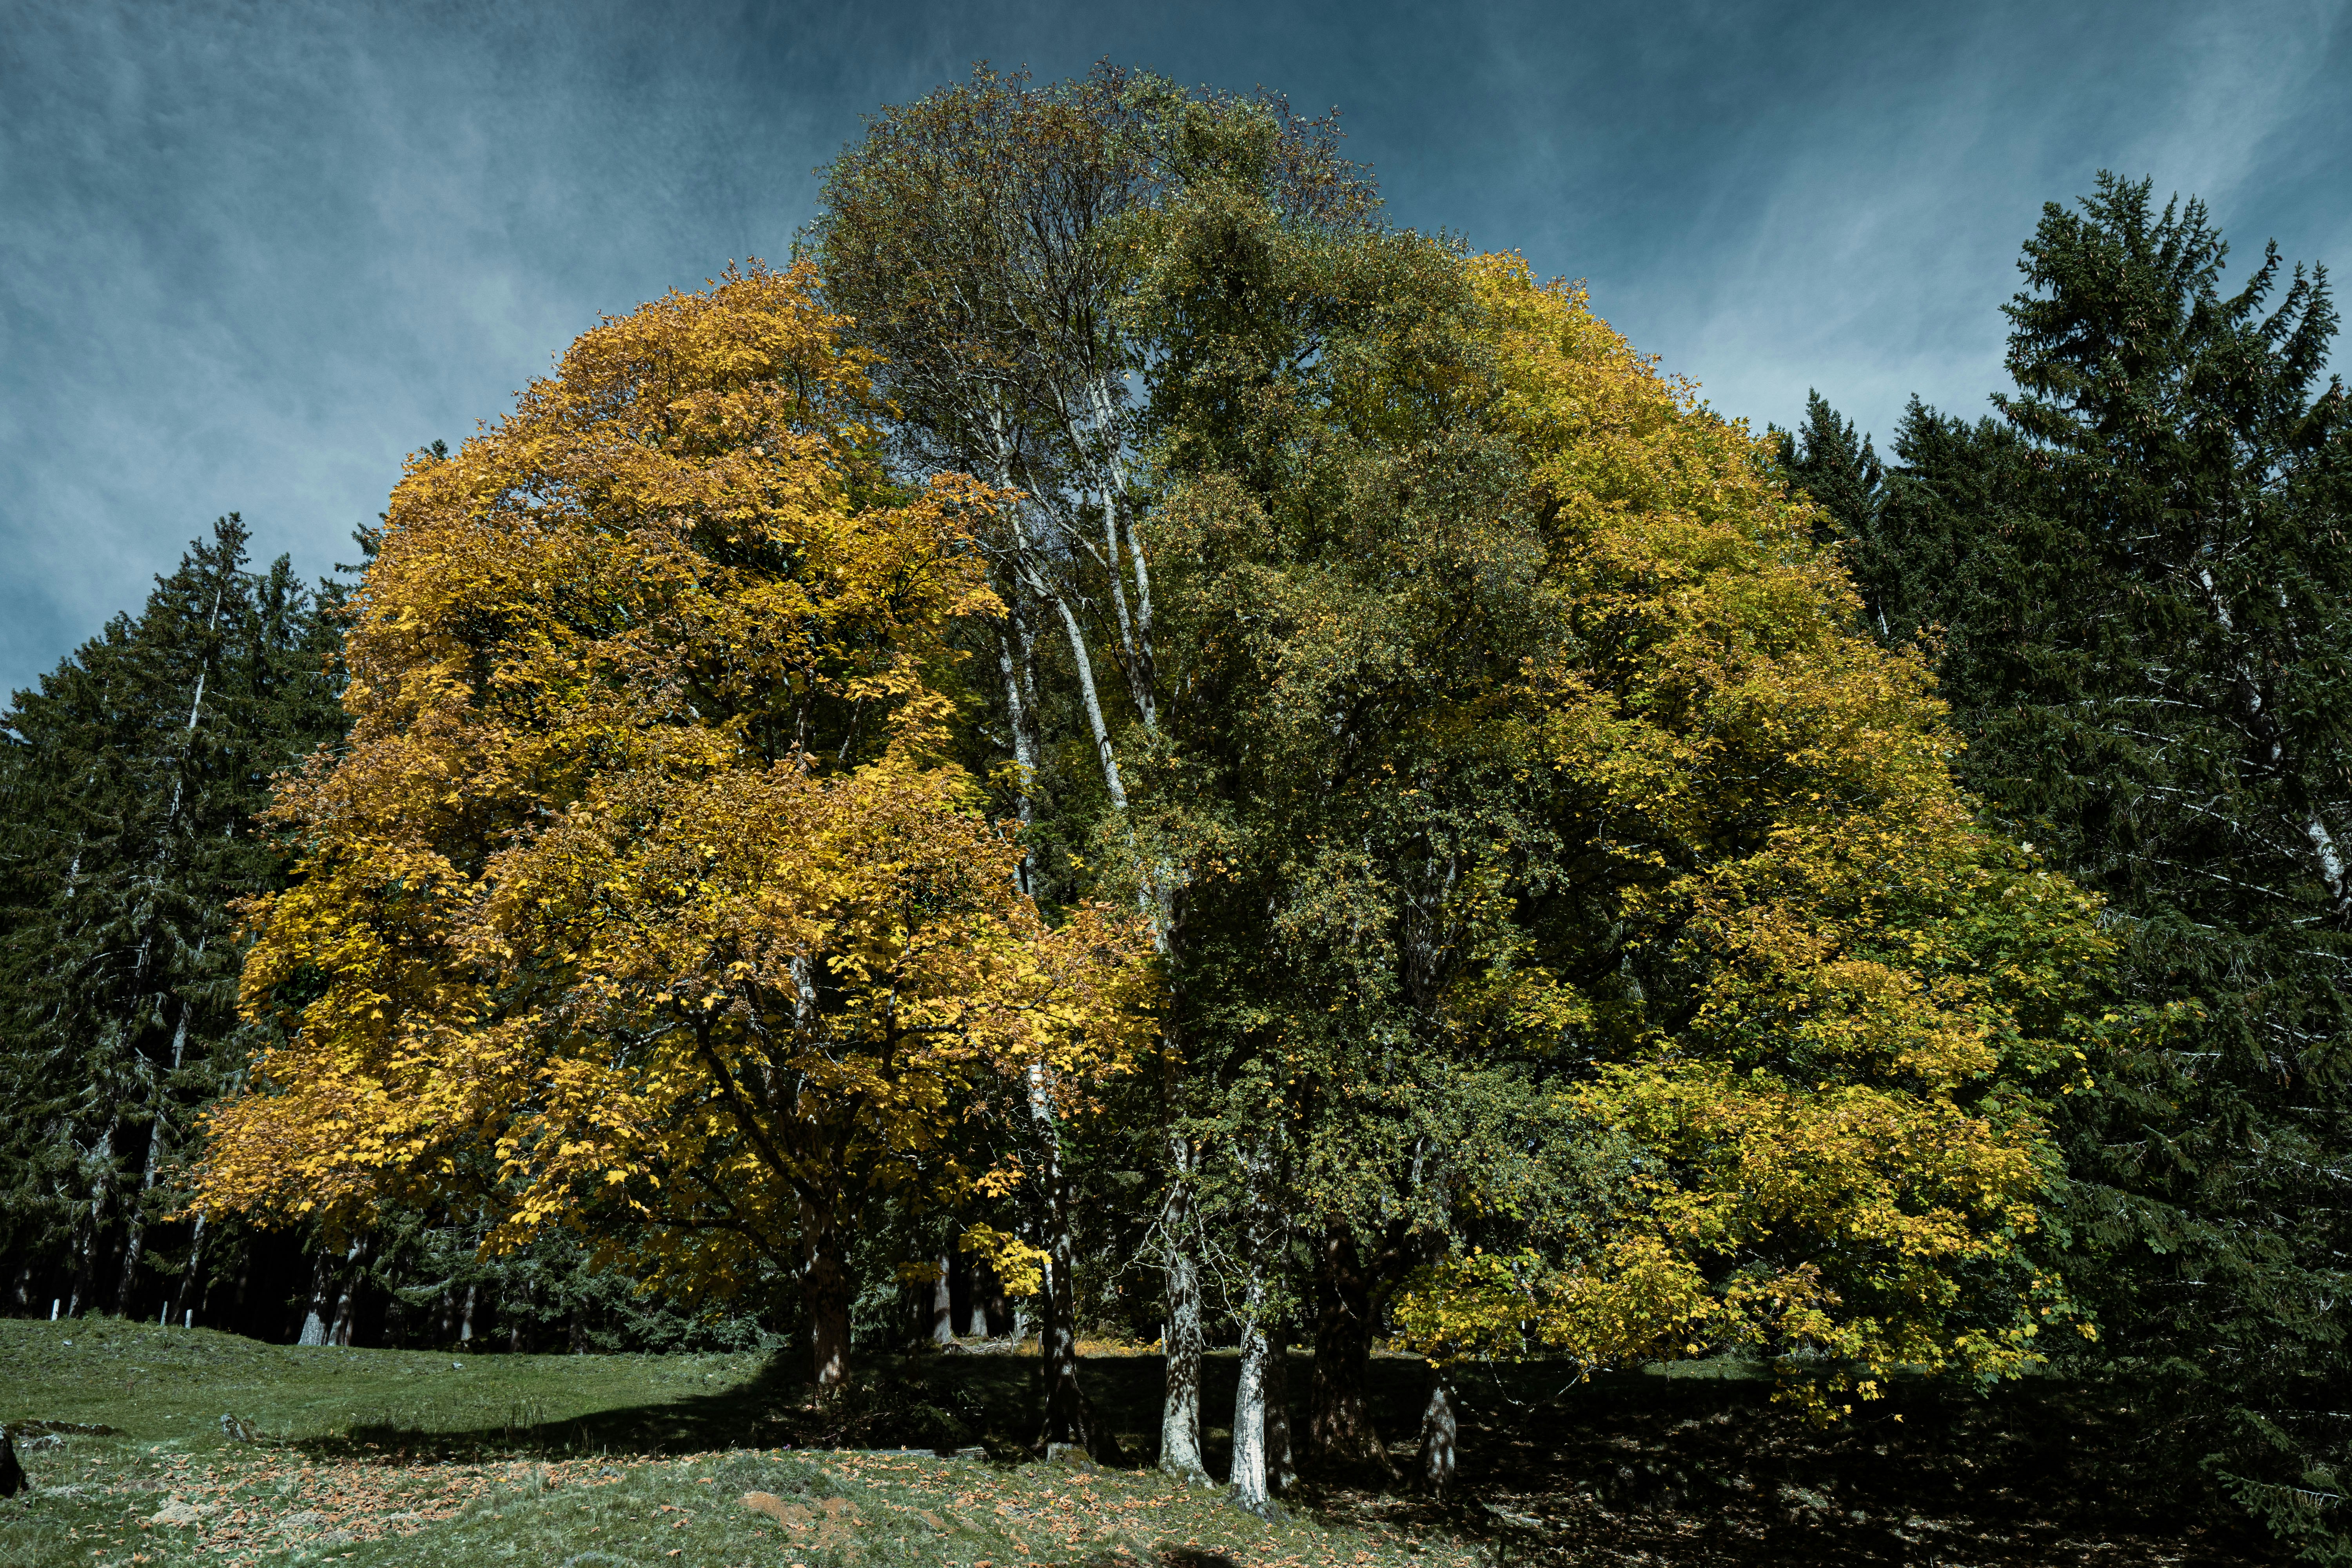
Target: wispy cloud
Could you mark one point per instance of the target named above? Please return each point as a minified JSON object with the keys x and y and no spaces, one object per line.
{"x":250,"y":254}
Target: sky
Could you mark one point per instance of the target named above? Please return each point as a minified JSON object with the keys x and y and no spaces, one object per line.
{"x":251,"y":254}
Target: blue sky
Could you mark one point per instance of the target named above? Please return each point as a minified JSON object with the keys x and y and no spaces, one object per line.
{"x":251,"y":253}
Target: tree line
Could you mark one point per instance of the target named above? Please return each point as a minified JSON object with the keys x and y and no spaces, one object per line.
{"x":1126,"y":738}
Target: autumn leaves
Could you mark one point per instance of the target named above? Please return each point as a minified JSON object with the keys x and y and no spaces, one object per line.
{"x":642,"y":898}
{"x":1510,"y":760}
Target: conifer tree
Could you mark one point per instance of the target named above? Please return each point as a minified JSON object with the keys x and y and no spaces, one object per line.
{"x":2139,"y":579}
{"x":132,"y":778}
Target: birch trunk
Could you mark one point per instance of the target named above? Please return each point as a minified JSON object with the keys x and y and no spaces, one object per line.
{"x":942,"y":1328}
{"x":93,"y":1231}
{"x":135,"y":1242}
{"x":1013,"y":661}
{"x":183,"y":1300}
{"x":1440,"y":1431}
{"x":1091,"y":702}
{"x":1068,"y":1416}
{"x":314,"y":1321}
{"x":1180,"y":1345}
{"x":1245,"y":1482}
{"x":347,"y":1305}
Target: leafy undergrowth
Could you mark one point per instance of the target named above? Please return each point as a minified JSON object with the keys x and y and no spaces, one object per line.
{"x":383,"y":1457}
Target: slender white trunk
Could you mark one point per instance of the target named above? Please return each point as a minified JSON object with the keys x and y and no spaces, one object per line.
{"x":2331,"y":860}
{"x":183,"y":1299}
{"x":134,"y":1241}
{"x":135,"y":1244}
{"x":347,"y":1310}
{"x":85,"y":1269}
{"x":1025,"y":748}
{"x":1122,"y":552}
{"x":1090,"y":701}
{"x":1440,"y":1431}
{"x":942,"y":1305}
{"x":195,"y":709}
{"x":2324,"y":849}
{"x":314,"y":1321}
{"x":1245,"y":1484}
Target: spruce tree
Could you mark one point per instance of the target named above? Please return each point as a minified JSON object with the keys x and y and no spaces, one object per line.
{"x":133,"y":775}
{"x":2139,"y":579}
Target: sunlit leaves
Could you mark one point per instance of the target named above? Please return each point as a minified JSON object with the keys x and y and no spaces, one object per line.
{"x":641,"y":899}
{"x":1837,"y":1005}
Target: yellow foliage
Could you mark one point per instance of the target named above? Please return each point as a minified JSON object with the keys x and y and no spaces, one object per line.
{"x":639,"y":898}
{"x":1830,"y":1137}
{"x":1020,"y":1267}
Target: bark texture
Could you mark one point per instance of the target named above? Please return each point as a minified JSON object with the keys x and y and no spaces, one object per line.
{"x":828,"y":1306}
{"x":1340,"y":1427}
{"x":1182,"y":1341}
{"x":1433,"y":1466}
{"x":1246,"y":1485}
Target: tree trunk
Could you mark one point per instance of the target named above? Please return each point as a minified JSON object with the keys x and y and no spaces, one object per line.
{"x":963,"y":1305}
{"x":183,"y":1298}
{"x":347,"y":1309}
{"x":1180,"y":1345}
{"x":988,"y":1293}
{"x":1091,"y":704}
{"x":314,"y":1321}
{"x":1246,"y":1481}
{"x":1068,"y":1416}
{"x":942,"y":1325}
{"x":1338,"y":1420}
{"x":1012,"y":657}
{"x":157,"y":1124}
{"x":1440,"y":1428}
{"x":1280,"y":1469}
{"x":92,"y":1232}
{"x":134,"y":1234}
{"x":829,"y":1309}
{"x":465,"y":1318}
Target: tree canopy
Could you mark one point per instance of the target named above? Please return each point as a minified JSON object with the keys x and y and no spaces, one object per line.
{"x":1128,"y":728}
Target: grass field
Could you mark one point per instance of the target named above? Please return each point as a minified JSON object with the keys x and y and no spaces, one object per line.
{"x":165,"y":1447}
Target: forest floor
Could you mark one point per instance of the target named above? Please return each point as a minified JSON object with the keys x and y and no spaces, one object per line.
{"x":161,"y":1447}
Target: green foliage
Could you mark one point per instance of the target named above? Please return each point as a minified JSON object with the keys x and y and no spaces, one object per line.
{"x":2144,"y":600}
{"x":128,"y":789}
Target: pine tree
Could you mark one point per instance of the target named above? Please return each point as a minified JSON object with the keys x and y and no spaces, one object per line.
{"x":2145,"y":602}
{"x":1837,"y":466}
{"x":132,"y":778}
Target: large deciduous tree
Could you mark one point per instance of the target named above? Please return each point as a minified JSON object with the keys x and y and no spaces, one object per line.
{"x":1581,"y":904}
{"x":640,"y":898}
{"x":989,"y":240}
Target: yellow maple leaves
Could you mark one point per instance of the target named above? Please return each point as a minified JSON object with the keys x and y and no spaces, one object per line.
{"x":1823,"y":1106}
{"x":641,"y":891}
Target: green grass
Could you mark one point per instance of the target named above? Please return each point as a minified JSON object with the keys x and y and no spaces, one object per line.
{"x":385,"y":1458}
{"x":403,"y":1460}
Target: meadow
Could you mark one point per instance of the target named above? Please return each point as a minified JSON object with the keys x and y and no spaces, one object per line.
{"x":173,"y":1447}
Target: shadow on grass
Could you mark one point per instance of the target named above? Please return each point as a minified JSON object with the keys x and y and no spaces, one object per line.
{"x":934,"y":1402}
{"x":1680,"y":1467}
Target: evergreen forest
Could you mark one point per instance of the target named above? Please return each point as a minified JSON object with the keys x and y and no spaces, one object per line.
{"x":1121,"y":752}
